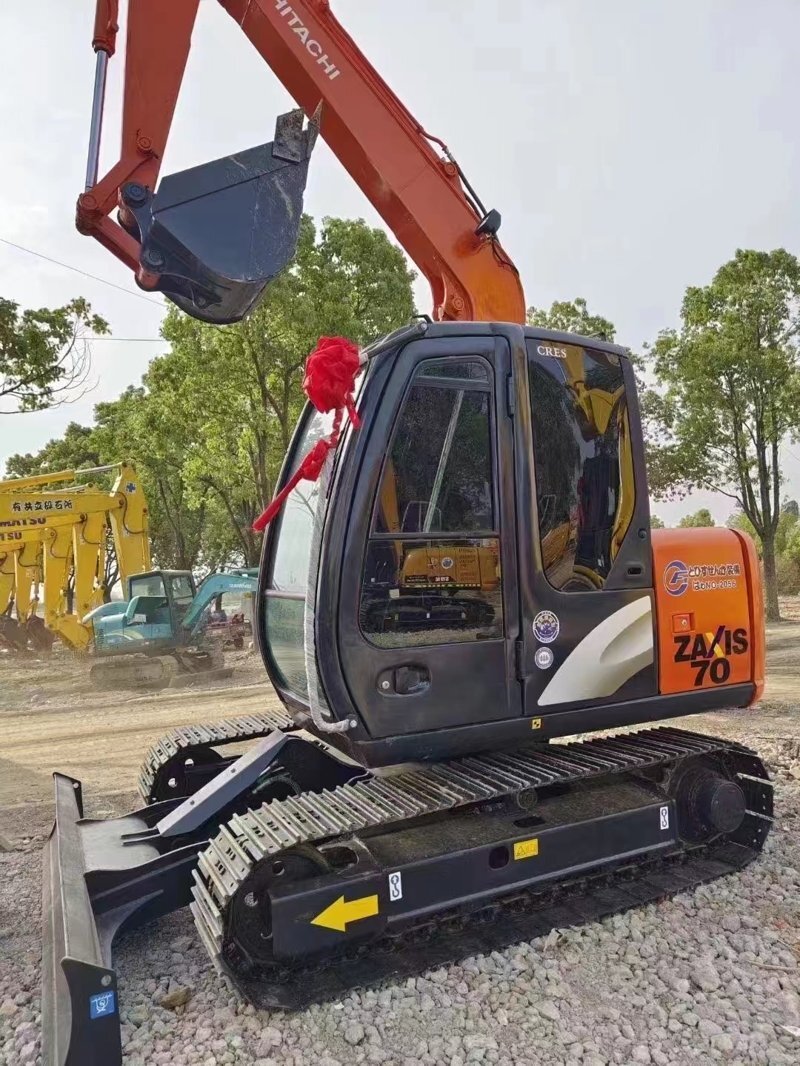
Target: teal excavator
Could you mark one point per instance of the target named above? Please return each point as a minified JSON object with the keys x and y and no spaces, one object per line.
{"x":157,"y":636}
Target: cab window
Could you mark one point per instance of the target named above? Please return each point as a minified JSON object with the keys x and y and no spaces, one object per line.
{"x":182,"y":591}
{"x":152,"y":585}
{"x":582,"y":459}
{"x":285,"y":605}
{"x":432,"y":566}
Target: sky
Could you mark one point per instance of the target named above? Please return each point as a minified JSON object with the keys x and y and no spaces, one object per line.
{"x":631,"y":146}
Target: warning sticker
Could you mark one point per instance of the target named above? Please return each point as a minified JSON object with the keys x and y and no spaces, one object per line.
{"x":664,"y":817}
{"x":526,"y":849}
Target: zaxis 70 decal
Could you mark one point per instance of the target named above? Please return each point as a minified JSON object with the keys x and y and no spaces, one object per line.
{"x":709,"y":653}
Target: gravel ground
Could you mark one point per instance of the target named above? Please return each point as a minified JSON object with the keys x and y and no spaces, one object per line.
{"x":712,"y":975}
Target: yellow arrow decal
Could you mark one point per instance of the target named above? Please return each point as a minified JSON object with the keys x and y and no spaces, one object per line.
{"x":340,"y":912}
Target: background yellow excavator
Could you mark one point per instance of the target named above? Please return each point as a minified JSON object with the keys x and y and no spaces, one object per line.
{"x":51,"y":536}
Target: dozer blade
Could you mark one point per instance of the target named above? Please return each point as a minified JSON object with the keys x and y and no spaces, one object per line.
{"x":99,"y":877}
{"x":80,"y":1022}
{"x":217,"y":234}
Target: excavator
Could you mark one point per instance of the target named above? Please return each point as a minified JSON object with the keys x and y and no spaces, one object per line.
{"x":20,"y":585}
{"x":156,"y":637}
{"x":52,"y":533}
{"x":21,"y":576}
{"x":414,"y":800}
{"x":45,"y":558}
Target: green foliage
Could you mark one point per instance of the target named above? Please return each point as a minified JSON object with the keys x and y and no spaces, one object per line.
{"x":740,"y":521}
{"x":656,"y":522}
{"x":788,"y":523}
{"x":731,"y":389}
{"x":572,"y":316}
{"x":44,"y":356}
{"x":699,"y":520}
{"x":787,"y":575}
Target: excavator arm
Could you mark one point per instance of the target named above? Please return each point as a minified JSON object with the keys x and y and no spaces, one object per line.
{"x":212,"y":237}
{"x":216,"y":585}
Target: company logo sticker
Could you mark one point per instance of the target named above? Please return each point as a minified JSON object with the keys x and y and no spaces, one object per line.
{"x":676,"y":578}
{"x":543,"y":658}
{"x":447,"y":562}
{"x":546,"y":627}
{"x":102,"y":1004}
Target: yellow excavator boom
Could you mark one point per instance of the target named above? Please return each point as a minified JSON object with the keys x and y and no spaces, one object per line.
{"x":64,"y":531}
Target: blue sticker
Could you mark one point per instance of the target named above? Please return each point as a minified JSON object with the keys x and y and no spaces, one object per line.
{"x":546,"y":627}
{"x":102,"y":1004}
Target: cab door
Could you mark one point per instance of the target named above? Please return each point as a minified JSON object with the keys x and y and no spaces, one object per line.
{"x":587,"y":610}
{"x":428,"y":609}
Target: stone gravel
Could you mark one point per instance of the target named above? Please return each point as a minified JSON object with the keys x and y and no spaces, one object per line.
{"x":710,"y":976}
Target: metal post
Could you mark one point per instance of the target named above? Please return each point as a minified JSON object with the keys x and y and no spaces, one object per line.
{"x":96,"y":126}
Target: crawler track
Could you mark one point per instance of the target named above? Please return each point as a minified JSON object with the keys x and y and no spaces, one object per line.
{"x":166,"y":760}
{"x":382,"y":804}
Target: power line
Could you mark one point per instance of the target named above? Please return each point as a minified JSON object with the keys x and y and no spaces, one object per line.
{"x":77,"y":270}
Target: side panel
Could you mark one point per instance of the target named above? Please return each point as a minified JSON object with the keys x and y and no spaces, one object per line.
{"x":588,"y":619}
{"x":705,"y":632}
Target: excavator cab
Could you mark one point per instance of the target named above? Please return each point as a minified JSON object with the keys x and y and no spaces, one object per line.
{"x":481,"y":561}
{"x":479,"y":527}
{"x":156,"y":604}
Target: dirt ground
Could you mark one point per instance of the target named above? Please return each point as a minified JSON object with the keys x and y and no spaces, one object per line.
{"x":52,"y":718}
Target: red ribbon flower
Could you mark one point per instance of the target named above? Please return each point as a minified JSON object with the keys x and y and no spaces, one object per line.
{"x":329,"y":383}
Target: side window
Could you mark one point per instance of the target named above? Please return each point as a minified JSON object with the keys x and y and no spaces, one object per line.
{"x":432,"y":566}
{"x":583,"y":462}
{"x":293,"y":549}
{"x":285,"y":608}
{"x":182,"y":589}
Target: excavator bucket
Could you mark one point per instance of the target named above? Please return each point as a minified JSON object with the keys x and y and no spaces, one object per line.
{"x":217,"y":234}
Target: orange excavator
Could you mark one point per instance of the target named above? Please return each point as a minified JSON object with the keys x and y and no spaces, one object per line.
{"x":408,"y":805}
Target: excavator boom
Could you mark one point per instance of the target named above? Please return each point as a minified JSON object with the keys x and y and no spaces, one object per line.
{"x":212,"y":237}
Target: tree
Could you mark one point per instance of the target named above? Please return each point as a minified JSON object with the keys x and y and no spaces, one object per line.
{"x":237,"y":391}
{"x":572,"y":316}
{"x":731,"y":388}
{"x":44,"y":354}
{"x":656,"y":522}
{"x":699,"y":520}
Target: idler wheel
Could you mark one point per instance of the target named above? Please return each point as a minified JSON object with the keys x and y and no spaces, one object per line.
{"x":709,"y":804}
